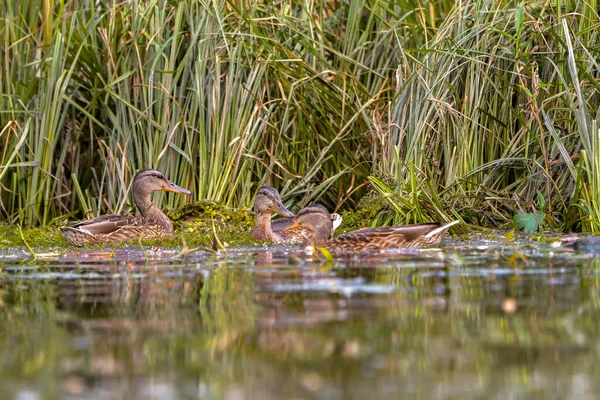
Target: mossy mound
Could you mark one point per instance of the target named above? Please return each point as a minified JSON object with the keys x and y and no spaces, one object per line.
{"x":205,"y":223}
{"x":210,"y":211}
{"x":45,"y":237}
{"x":368,"y":208}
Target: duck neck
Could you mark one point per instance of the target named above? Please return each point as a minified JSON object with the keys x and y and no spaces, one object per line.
{"x":321,"y":236}
{"x":263,"y":225}
{"x":150,"y":212}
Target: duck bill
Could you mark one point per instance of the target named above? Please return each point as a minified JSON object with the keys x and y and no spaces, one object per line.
{"x":171,"y":187}
{"x":294,"y":225}
{"x":280,"y":209}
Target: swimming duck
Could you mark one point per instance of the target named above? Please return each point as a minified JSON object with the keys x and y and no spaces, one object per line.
{"x":317,"y":221}
{"x":298,"y":235}
{"x":152,"y":223}
{"x":268,"y":201}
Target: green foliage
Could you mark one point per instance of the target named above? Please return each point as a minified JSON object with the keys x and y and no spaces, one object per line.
{"x":220,"y":99}
{"x":467,"y":109}
{"x":529,"y":222}
{"x":493,"y":112}
{"x":532,"y":222}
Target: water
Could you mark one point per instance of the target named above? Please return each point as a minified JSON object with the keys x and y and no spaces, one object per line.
{"x":478,"y":320}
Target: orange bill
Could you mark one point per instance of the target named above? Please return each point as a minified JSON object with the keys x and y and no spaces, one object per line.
{"x":294,"y":225}
{"x":171,"y":187}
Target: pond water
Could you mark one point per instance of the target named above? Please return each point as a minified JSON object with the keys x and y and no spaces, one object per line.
{"x":475,"y":320}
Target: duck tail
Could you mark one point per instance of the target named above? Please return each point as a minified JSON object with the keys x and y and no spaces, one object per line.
{"x":441,"y":228}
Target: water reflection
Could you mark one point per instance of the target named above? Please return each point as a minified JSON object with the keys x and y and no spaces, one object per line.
{"x":481,"y":321}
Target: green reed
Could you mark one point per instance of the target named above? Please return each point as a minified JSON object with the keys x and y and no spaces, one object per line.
{"x":448,"y":110}
{"x":493,"y":114}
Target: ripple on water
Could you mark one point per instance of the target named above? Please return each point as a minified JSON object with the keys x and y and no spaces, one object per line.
{"x":268,"y":322}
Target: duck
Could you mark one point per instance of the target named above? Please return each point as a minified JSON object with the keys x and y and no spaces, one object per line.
{"x":151,"y":224}
{"x":268,"y":201}
{"x":298,"y":235}
{"x":316,"y":220}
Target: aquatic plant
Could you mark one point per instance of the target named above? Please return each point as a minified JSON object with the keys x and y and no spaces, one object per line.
{"x":493,"y":110}
{"x":443,"y":109}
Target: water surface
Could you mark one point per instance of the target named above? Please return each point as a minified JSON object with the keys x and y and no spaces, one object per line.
{"x":478,"y":320}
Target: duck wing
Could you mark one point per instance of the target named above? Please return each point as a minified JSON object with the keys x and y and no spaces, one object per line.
{"x":387,"y":237}
{"x":107,"y":224}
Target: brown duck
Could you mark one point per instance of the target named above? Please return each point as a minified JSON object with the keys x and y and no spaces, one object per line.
{"x":152,"y":223}
{"x":317,"y":221}
{"x":298,"y":235}
{"x":268,"y":201}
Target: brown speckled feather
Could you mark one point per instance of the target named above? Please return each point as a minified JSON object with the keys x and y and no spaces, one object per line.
{"x":408,"y":236}
{"x":111,"y":228}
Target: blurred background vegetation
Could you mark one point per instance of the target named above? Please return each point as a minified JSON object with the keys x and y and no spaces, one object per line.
{"x":407,"y":110}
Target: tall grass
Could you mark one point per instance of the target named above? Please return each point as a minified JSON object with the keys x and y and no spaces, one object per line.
{"x":494,"y":112}
{"x":464,"y":109}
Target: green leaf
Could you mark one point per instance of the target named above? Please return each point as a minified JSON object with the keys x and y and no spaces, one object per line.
{"x":328,"y":256}
{"x":529,"y":222}
{"x":519,"y":18}
{"x":541,"y":201}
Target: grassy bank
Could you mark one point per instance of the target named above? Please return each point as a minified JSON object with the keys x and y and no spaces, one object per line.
{"x":421,"y":109}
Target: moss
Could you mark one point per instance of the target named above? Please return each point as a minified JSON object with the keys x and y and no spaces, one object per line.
{"x":198,"y":224}
{"x":210,"y":211}
{"x":46,"y":237}
{"x":368,"y":208}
